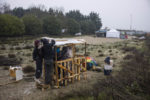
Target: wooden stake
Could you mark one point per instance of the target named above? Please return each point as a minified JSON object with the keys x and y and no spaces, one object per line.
{"x":66,"y":73}
{"x":73,"y":51}
{"x":56,"y":67}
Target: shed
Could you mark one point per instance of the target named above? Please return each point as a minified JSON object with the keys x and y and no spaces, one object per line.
{"x":101,"y":33}
{"x":70,"y":68}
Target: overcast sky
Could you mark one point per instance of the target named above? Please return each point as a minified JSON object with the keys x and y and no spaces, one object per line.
{"x":114,"y":13}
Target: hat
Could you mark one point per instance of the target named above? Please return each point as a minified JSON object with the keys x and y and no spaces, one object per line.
{"x":36,"y":42}
{"x":45,"y":41}
{"x":53,"y":42}
{"x":107,"y":60}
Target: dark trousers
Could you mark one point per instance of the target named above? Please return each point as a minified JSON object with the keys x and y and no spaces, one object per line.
{"x":107,"y":72}
{"x":38,"y":71}
{"x":49,"y":71}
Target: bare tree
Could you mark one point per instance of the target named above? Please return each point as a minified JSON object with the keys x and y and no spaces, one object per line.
{"x":4,"y":7}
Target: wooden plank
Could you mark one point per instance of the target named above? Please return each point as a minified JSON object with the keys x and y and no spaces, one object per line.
{"x":66,"y":60}
{"x":79,"y":69}
{"x":69,"y":44}
{"x":69,"y":69}
{"x":65,"y":68}
{"x":85,"y":49}
{"x":61,"y":74}
{"x":68,"y":77}
{"x":73,"y":52}
{"x":85,"y":74}
{"x":65,"y":73}
{"x":56,"y":67}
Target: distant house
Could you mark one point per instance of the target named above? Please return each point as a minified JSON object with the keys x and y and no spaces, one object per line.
{"x":101,"y":33}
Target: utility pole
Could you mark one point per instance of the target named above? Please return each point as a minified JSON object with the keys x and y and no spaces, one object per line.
{"x":130,"y":21}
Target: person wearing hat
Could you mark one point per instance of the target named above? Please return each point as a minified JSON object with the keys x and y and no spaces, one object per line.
{"x":108,"y":66}
{"x":37,"y":57}
{"x":48,"y":55}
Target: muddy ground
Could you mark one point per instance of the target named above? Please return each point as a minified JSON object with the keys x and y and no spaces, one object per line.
{"x":21,"y":50}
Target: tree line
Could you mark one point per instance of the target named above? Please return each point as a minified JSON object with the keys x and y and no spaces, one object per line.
{"x":37,"y":20}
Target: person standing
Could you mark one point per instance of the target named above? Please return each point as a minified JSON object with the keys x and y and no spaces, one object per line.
{"x":48,"y":55}
{"x":37,"y":57}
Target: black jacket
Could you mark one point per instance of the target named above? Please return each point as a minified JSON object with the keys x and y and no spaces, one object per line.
{"x":37,"y":54}
{"x":48,"y":51}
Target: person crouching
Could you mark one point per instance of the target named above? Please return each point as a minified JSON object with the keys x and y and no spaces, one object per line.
{"x":108,"y":66}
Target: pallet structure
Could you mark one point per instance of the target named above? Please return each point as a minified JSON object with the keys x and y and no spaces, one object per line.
{"x":70,"y":69}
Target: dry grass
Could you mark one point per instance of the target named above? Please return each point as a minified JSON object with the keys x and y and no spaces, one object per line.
{"x":97,"y":48}
{"x":98,"y":40}
{"x":11,"y":55}
{"x":5,"y":61}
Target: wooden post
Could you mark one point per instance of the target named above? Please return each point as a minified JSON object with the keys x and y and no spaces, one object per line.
{"x":69,"y":68}
{"x":73,"y":52}
{"x":56,"y":67}
{"x":78,"y":68}
{"x":85,"y":73}
{"x":66,"y":74}
{"x":61,"y":74}
{"x":85,"y":49}
{"x":43,"y":71}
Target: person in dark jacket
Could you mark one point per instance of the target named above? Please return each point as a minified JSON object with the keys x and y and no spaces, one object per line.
{"x":37,"y":57}
{"x":48,"y":55}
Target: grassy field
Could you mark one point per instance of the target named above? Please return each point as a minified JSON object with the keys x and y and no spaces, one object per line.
{"x":19,"y":51}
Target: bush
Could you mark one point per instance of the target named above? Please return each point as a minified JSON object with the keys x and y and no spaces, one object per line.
{"x":32,"y":24}
{"x":28,"y":47}
{"x":128,"y":57}
{"x":3,"y":48}
{"x":99,"y":51}
{"x":28,"y":69}
{"x":5,"y":61}
{"x":11,"y":55}
{"x":110,"y":50}
{"x":129,"y":49}
{"x":111,"y":54}
{"x":28,"y":54}
{"x":101,"y":55}
{"x":6,"y":68}
{"x":18,"y":48}
{"x":11,"y":26}
{"x":11,"y":48}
